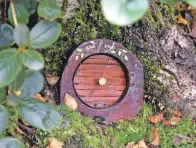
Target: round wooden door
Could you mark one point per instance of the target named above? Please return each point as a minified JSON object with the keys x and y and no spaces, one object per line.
{"x":100,"y":81}
{"x":105,"y":79}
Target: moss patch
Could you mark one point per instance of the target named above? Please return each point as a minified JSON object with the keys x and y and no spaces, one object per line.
{"x":86,"y":132}
{"x":13,"y":120}
{"x":87,"y":23}
{"x":159,"y":15}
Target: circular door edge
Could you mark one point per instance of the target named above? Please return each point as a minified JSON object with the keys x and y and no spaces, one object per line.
{"x":132,"y":102}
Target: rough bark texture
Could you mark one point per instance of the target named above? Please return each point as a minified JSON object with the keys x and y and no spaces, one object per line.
{"x":178,"y":57}
{"x":174,"y":53}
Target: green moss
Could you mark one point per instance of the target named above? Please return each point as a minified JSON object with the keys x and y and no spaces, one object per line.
{"x":13,"y":124}
{"x":86,"y":132}
{"x":159,"y":15}
{"x":184,"y":128}
{"x":150,"y":20}
{"x":81,"y":128}
{"x":87,"y":23}
{"x":170,"y":11}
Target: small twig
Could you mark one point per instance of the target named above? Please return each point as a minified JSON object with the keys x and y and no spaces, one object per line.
{"x":5,"y":8}
{"x":3,"y":102}
{"x":29,"y":130}
{"x":65,"y":5}
{"x":13,"y":12}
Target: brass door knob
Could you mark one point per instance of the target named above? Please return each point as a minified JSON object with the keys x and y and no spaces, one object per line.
{"x":102,"y":81}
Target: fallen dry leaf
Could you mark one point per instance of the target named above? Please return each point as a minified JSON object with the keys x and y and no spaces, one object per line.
{"x":44,"y":99}
{"x":49,"y":100}
{"x":52,"y":80}
{"x":154,"y":136}
{"x":140,"y":144}
{"x":181,"y":20}
{"x":166,"y":123}
{"x":54,"y":143}
{"x":39,"y":97}
{"x":192,"y":121}
{"x":70,"y":102}
{"x":176,"y":113}
{"x":130,"y":145}
{"x":177,"y":139}
{"x":174,"y":120}
{"x":156,"y":118}
{"x":152,"y":146}
{"x":20,"y":131}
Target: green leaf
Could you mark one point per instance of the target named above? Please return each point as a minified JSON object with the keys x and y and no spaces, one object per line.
{"x":124,"y":12}
{"x":30,"y":5}
{"x":13,"y":100}
{"x":21,"y":35}
{"x":4,"y":118}
{"x":33,"y":60}
{"x":44,"y":34}
{"x":38,"y":114}
{"x":18,"y":82}
{"x":10,"y":66}
{"x":33,"y":83}
{"x":191,"y":2}
{"x":10,"y":143}
{"x":49,"y":10}
{"x":6,"y":35}
{"x":2,"y":95}
{"x":170,"y":1}
{"x":22,"y":14}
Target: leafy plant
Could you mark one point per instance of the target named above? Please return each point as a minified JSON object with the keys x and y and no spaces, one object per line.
{"x":20,"y":64}
{"x":124,"y":12}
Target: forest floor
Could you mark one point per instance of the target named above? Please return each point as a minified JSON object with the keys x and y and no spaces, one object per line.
{"x":167,"y":53}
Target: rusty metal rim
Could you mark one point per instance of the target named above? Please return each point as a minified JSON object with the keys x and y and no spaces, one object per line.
{"x":130,"y":105}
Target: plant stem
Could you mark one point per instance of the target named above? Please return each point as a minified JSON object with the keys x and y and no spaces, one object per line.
{"x":3,"y":102}
{"x":13,"y":12}
{"x":5,"y":7}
